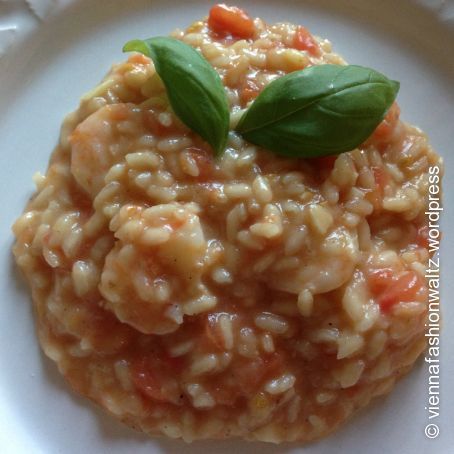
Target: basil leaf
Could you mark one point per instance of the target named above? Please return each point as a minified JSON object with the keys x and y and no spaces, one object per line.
{"x":319,"y":111}
{"x":194,"y":88}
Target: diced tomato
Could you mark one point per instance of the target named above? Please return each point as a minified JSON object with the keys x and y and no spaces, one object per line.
{"x":384,"y":130}
{"x":225,"y":19}
{"x":204,"y":161}
{"x":174,"y":365}
{"x":145,"y":379}
{"x":381,"y":179}
{"x":402,"y":289}
{"x":325,"y":162}
{"x":375,"y":196}
{"x":248,"y":91}
{"x":379,"y":279}
{"x":303,"y":40}
{"x":422,"y":238}
{"x":149,"y":375}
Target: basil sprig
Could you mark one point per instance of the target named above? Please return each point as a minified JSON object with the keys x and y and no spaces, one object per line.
{"x":318,"y":111}
{"x":194,"y":88}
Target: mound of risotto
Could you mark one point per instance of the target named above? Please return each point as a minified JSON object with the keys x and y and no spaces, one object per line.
{"x":246,"y":295}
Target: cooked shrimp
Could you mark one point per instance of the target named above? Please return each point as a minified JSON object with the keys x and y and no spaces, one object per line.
{"x":156,"y":246}
{"x":101,"y":141}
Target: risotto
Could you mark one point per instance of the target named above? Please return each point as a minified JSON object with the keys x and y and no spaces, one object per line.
{"x":246,"y":295}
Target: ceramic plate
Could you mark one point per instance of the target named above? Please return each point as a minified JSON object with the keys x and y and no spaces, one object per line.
{"x":53,"y":51}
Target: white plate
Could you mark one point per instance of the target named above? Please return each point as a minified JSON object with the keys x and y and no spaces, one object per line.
{"x":60,"y":56}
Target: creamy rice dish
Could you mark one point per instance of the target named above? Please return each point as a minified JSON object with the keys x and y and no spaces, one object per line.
{"x":246,"y":295}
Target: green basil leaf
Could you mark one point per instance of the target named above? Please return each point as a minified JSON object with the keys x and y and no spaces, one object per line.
{"x":194,"y":88}
{"x":318,"y":111}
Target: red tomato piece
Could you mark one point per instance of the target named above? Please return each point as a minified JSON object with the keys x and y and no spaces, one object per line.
{"x":325,"y":162}
{"x":149,"y":375}
{"x":204,"y":161}
{"x":248,"y":91}
{"x":143,"y":374}
{"x":385,"y":129}
{"x":303,"y":40}
{"x":381,"y":179}
{"x":225,"y":19}
{"x":379,"y":279}
{"x":403,"y":289}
